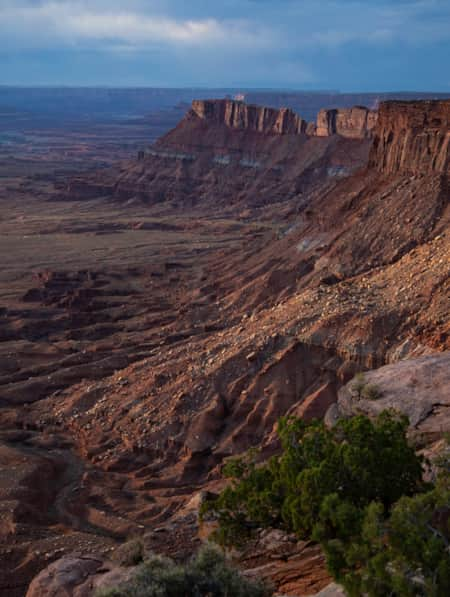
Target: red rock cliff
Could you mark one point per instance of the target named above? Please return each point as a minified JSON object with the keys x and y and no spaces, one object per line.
{"x":354,"y":123}
{"x":238,"y":115}
{"x":412,"y":137}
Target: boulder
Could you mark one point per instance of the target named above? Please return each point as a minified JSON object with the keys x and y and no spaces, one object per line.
{"x":77,"y":576}
{"x":332,"y":590}
{"x":418,"y":388}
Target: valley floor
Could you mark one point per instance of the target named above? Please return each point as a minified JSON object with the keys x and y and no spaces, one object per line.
{"x":86,"y":289}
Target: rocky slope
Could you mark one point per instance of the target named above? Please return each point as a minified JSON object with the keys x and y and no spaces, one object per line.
{"x":203,"y":353}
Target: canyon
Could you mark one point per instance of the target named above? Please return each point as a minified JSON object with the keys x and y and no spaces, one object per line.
{"x":159,"y":314}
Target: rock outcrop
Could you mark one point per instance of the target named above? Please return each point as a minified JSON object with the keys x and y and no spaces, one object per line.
{"x":418,"y":388}
{"x":352,"y":123}
{"x":77,"y":576}
{"x":333,"y":590}
{"x":412,"y":137}
{"x":291,"y":566}
{"x":238,"y":115}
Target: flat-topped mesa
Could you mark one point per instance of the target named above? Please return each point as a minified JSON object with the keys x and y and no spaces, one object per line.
{"x":412,"y":137}
{"x":238,"y":115}
{"x":353,"y":123}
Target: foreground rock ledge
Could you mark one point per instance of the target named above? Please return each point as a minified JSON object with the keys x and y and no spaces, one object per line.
{"x":418,"y":388}
{"x":77,"y":576}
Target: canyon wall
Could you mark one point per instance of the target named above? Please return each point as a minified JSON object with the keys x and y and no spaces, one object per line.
{"x":237,"y":154}
{"x":353,"y":123}
{"x":238,"y":115}
{"x":412,"y":137}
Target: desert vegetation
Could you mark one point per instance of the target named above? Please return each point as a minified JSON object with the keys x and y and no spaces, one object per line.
{"x":358,"y":490}
{"x":207,"y":574}
{"x":363,"y":389}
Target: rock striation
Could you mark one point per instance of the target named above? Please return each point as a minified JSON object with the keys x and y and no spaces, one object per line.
{"x":412,"y":137}
{"x":238,"y":115}
{"x":353,"y":123}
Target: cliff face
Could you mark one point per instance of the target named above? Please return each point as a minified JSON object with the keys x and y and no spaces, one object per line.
{"x":412,"y":137}
{"x":353,"y":123}
{"x":237,"y":115}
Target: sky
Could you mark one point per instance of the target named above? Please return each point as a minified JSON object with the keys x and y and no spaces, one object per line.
{"x":347,"y":45}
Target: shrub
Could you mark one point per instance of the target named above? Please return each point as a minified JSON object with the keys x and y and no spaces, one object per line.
{"x":371,"y":392}
{"x":364,"y":389}
{"x":405,"y":553}
{"x":359,"y":382}
{"x":359,"y":460}
{"x":130,"y":553}
{"x":358,"y":490}
{"x":208,"y":574}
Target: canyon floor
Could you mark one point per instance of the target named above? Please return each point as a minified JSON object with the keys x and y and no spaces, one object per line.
{"x":87,"y":289}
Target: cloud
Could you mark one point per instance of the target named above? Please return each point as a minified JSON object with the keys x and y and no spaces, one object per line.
{"x":251,"y":25}
{"x":77,"y":23}
{"x":332,"y":24}
{"x":261,"y":42}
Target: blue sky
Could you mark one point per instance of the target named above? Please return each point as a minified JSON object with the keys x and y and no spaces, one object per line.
{"x":351,"y":45}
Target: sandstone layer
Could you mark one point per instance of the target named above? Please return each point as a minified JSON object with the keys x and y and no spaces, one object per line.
{"x":412,"y":137}
{"x":239,"y":115}
{"x":354,"y":123}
